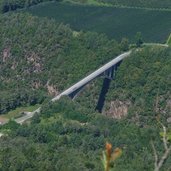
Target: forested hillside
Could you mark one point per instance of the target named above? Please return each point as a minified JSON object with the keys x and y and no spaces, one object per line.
{"x":141,"y":81}
{"x":11,"y":5}
{"x":69,"y":135}
{"x":40,"y":58}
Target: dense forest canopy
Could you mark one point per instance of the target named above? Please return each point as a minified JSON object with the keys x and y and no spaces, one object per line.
{"x":140,"y":80}
{"x":52,"y":54}
{"x":65,"y":136}
{"x":11,"y":5}
{"x":66,"y":130}
{"x":39,"y":58}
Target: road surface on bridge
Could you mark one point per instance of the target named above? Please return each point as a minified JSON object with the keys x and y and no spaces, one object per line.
{"x":92,"y":76}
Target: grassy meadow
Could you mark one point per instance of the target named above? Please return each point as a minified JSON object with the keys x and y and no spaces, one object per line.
{"x":155,"y":26}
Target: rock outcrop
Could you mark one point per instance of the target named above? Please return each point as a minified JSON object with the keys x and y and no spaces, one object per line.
{"x":118,"y":109}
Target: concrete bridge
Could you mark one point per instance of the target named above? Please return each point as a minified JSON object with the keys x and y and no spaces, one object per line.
{"x":107,"y":70}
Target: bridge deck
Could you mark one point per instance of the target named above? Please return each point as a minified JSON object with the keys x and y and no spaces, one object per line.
{"x":92,"y":76}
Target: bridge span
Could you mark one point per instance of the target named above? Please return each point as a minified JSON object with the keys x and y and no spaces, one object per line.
{"x":106,"y":69}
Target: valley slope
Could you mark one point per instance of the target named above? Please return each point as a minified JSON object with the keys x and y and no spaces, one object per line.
{"x":39,"y":58}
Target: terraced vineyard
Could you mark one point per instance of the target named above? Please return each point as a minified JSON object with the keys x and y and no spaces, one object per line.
{"x":155,"y":26}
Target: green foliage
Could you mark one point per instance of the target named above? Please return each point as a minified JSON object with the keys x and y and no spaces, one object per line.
{"x":141,"y":79}
{"x":168,"y":135}
{"x":52,"y":56}
{"x":73,"y":137}
{"x":114,"y":22}
{"x":11,"y":5}
{"x":10,"y":126}
{"x":62,"y":142}
{"x":138,"y":38}
{"x":124,"y":44}
{"x":39,"y":55}
{"x":65,"y":107}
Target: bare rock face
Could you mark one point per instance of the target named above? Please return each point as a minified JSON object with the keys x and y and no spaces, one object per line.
{"x":169,"y":120}
{"x":35,"y":61}
{"x":168,"y":105}
{"x":118,"y":109}
{"x":52,"y":90}
{"x":5,"y":54}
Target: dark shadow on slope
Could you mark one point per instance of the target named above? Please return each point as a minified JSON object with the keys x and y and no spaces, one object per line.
{"x":104,"y":90}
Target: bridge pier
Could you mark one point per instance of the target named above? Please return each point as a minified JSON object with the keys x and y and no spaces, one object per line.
{"x":102,"y":96}
{"x":72,"y":91}
{"x":110,"y":75}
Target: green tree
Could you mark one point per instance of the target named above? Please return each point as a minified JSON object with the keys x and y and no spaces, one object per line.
{"x":124,"y":44}
{"x":138,"y":39}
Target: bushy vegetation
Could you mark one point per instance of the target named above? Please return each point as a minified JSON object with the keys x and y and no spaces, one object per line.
{"x":42,"y":58}
{"x":69,"y":135}
{"x":12,"y":5}
{"x":65,"y":136}
{"x":144,"y":79}
{"x":114,"y":22}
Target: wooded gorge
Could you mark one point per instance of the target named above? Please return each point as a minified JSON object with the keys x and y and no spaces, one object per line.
{"x":54,"y":57}
{"x":39,"y":58}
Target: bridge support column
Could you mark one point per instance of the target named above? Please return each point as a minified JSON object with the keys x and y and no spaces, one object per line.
{"x":111,"y":72}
